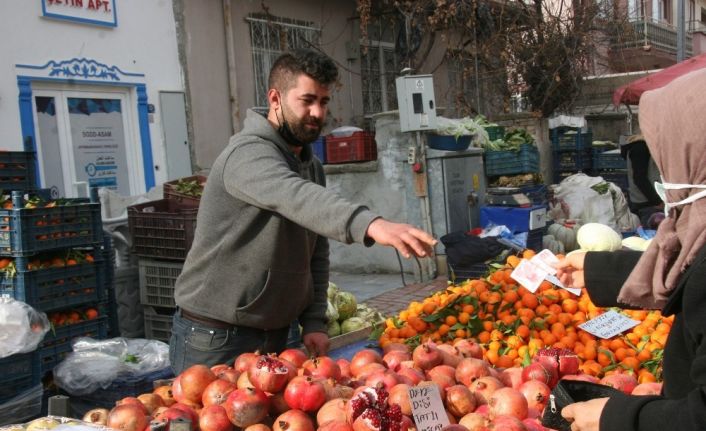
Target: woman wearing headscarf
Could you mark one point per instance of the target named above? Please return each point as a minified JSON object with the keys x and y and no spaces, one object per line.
{"x":669,"y":276}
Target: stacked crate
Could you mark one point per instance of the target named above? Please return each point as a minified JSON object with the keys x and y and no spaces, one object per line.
{"x":51,"y":254}
{"x":571,"y":152}
{"x":162,"y":232}
{"x":611,"y":166}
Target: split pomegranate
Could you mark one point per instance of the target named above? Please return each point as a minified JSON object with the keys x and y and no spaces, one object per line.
{"x":399,"y":394}
{"x":268,"y":374}
{"x":564,"y":361}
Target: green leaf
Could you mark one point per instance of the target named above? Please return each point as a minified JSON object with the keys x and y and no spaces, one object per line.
{"x":526,"y":359}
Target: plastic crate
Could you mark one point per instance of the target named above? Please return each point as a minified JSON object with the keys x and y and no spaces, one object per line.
{"x":618,"y":177}
{"x":359,"y":147}
{"x":158,"y":323}
{"x":53,"y":288}
{"x":572,"y":160}
{"x":459,"y":273}
{"x":169,"y":191}
{"x":603,"y":160}
{"x":537,"y":194}
{"x":18,"y":170}
{"x":27,"y":231}
{"x":571,"y":139}
{"x":162,"y":229}
{"x":57,"y":343}
{"x":318,"y":147}
{"x":19,"y":373}
{"x":23,"y":406}
{"x":534,"y":239}
{"x":157,"y":280}
{"x":526,"y":160}
{"x":495,"y":132}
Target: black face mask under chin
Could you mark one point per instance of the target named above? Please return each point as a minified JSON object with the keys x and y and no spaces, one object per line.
{"x":286,"y":132}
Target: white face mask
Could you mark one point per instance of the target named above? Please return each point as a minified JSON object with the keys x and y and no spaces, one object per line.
{"x":661,"y":189}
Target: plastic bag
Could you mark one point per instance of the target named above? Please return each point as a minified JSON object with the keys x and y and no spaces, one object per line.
{"x":22,"y":327}
{"x":96,"y":364}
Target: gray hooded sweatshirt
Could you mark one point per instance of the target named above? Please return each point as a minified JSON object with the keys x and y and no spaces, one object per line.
{"x":260,"y":253}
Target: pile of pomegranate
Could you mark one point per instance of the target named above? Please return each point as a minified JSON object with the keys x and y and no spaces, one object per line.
{"x":369,"y":392}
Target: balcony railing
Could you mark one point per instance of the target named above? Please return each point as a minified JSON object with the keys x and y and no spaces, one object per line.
{"x":659,"y":36}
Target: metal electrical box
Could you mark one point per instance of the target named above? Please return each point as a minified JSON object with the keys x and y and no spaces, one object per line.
{"x":415,"y":99}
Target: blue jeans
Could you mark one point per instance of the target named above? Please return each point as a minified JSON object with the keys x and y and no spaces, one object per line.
{"x":196,"y":343}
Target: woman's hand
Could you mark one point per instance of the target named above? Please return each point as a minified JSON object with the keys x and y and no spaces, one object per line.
{"x":570,"y":270}
{"x":585,"y":416}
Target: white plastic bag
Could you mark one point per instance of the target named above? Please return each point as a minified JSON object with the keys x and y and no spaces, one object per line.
{"x":22,"y":327}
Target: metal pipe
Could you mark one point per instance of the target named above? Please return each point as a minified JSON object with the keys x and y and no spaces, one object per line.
{"x":425,"y":206}
{"x":232,"y":76}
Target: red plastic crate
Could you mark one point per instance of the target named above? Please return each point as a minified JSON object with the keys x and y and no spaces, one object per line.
{"x":359,"y":147}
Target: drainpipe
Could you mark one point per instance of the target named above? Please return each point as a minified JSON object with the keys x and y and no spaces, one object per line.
{"x":232,"y":77}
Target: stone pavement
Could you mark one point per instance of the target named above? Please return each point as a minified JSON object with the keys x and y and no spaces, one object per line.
{"x":396,"y":300}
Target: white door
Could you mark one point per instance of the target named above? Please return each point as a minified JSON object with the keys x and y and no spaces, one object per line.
{"x":87,"y":139}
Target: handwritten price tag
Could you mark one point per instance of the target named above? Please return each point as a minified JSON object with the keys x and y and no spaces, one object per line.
{"x":609,"y":324}
{"x":427,"y":409}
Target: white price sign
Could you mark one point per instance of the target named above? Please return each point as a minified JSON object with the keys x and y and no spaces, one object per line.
{"x":427,"y":408}
{"x":609,"y":324}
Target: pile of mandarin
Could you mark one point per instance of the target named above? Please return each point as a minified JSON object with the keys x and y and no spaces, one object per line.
{"x":511,"y":324}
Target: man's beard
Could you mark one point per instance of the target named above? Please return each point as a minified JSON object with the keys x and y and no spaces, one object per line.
{"x":297,"y":131}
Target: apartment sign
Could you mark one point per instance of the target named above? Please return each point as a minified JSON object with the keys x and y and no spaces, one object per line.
{"x":95,"y":12}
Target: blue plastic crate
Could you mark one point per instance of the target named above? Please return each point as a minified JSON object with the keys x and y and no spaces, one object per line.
{"x":571,"y":139}
{"x":603,"y":160}
{"x":54,"y":288}
{"x":572,"y":160}
{"x":495,"y":132}
{"x":526,"y":160}
{"x":19,"y":373}
{"x":27,"y":231}
{"x":18,"y":170}
{"x":448,"y":143}
{"x":318,"y":147}
{"x":57,"y":343}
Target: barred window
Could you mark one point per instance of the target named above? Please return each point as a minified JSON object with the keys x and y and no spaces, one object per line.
{"x":271,"y":36}
{"x":379,"y":67}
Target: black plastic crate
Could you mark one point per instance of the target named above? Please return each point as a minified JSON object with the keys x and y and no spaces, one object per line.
{"x":57,"y":343}
{"x":606,"y":160}
{"x":534,"y":239}
{"x":572,"y":160}
{"x":54,"y":288}
{"x":18,"y":170}
{"x":459,"y":273}
{"x":19,"y":373}
{"x":537,"y":194}
{"x":571,"y":139}
{"x":526,"y":160}
{"x":162,"y":229}
{"x":26,"y":231}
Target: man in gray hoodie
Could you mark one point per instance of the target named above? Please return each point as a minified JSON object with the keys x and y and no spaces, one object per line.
{"x":259,"y":259}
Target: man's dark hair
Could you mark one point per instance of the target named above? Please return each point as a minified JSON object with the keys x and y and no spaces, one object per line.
{"x":289,"y":65}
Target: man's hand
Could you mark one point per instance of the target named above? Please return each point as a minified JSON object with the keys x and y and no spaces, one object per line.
{"x":407,"y":239}
{"x":585,"y":416}
{"x":316,"y":343}
{"x":570,"y":270}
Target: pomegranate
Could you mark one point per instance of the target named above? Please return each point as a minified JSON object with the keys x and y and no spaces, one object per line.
{"x":468,"y":348}
{"x":190,"y":384}
{"x":539,"y":371}
{"x":506,"y":423}
{"x":246,"y":406}
{"x":394,"y":358}
{"x":532,"y":424}
{"x":335,"y":426}
{"x":564,"y":361}
{"x":217,"y":392}
{"x":482,"y":410}
{"x":427,"y":356}
{"x":128,"y":417}
{"x":623,"y":382}
{"x":399,"y":394}
{"x":373,"y":398}
{"x":369,"y":369}
{"x":460,"y":400}
{"x":96,"y":416}
{"x":372,"y":419}
{"x":295,"y":356}
{"x":229,"y":374}
{"x":170,"y":414}
{"x":484,"y":387}
{"x":189,"y":411}
{"x":214,"y":418}
{"x":647,"y":388}
{"x":536,"y":393}
{"x":362,"y":358}
{"x":215,"y":369}
{"x":151,"y":401}
{"x":293,"y":420}
{"x":470,"y":369}
{"x":165,"y":392}
{"x":245,"y":360}
{"x":258,"y":427}
{"x":135,"y":401}
{"x":334,"y":390}
{"x":583,"y":377}
{"x":322,"y":367}
{"x":511,"y":377}
{"x":472,"y":421}
{"x":277,"y":404}
{"x":508,"y":401}
{"x":268,"y":374}
{"x":332,"y":410}
{"x":305,"y":393}
{"x":412,"y":374}
{"x":243,"y":381}
{"x":386,"y":378}
{"x":345,"y":366}
{"x":454,"y":427}
{"x":395,"y":346}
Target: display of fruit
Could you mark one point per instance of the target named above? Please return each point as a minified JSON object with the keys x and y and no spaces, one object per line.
{"x":345,"y":314}
{"x":72,"y":316}
{"x":512,"y":326}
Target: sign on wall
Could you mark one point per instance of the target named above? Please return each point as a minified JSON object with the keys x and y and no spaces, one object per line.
{"x":97,"y":12}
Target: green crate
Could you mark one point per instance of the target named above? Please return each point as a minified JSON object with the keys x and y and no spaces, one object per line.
{"x":526,"y":160}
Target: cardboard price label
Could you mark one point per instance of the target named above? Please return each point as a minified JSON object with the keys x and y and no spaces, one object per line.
{"x":427,"y":408}
{"x":608,"y":324}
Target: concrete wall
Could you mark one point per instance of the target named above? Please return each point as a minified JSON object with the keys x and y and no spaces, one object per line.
{"x":144,"y":41}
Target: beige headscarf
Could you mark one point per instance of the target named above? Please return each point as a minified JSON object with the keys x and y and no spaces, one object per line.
{"x":673,"y":121}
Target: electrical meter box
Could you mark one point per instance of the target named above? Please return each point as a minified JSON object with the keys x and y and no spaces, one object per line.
{"x":415,"y":98}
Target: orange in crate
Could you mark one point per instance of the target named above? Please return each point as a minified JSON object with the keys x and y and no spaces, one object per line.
{"x":359,"y":147}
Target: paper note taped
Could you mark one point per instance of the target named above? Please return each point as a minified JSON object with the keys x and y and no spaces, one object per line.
{"x":609,"y":324}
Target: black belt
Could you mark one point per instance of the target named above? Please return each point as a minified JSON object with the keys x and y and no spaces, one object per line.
{"x":206,"y":320}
